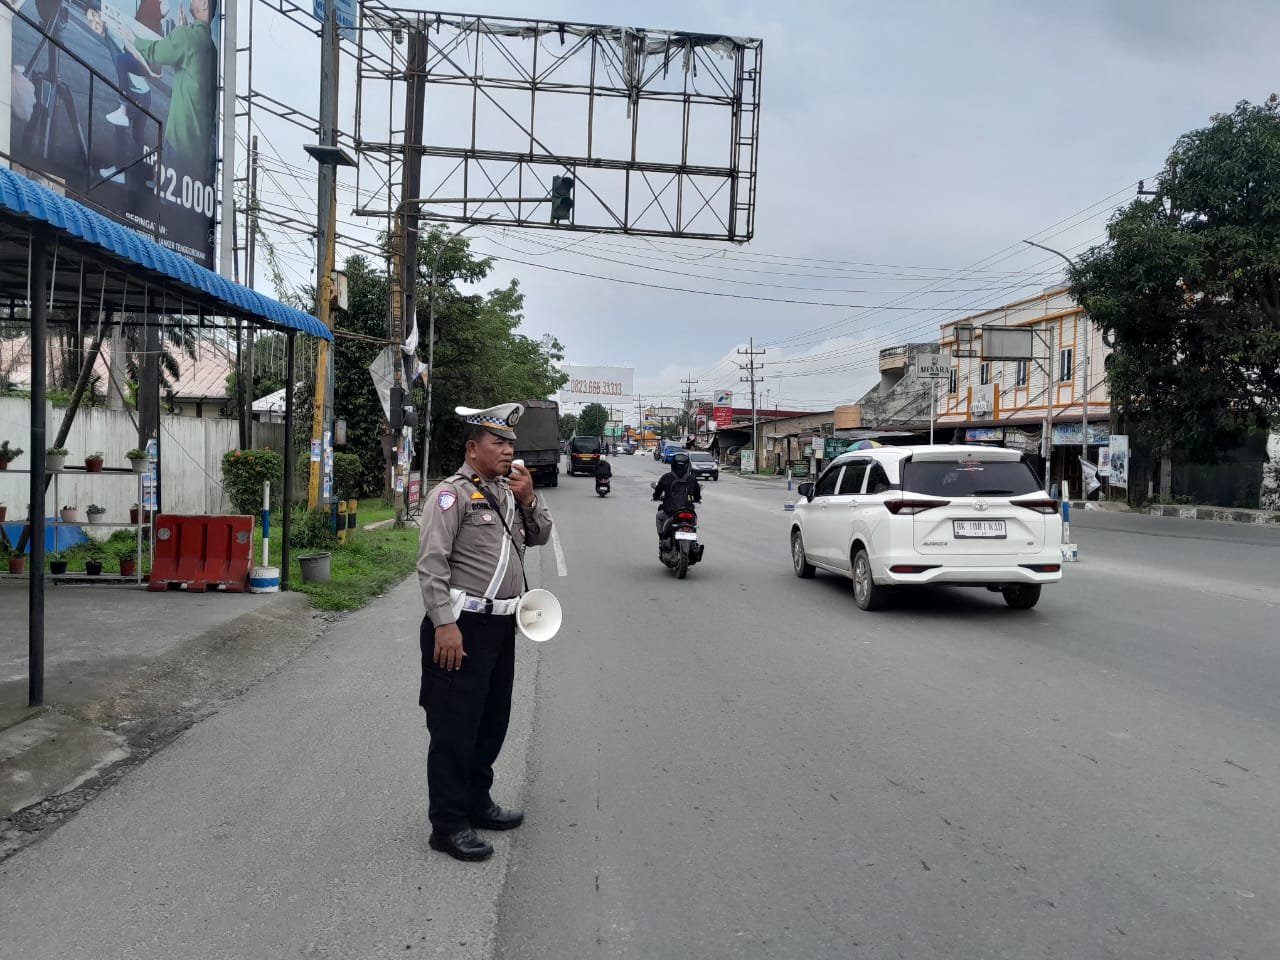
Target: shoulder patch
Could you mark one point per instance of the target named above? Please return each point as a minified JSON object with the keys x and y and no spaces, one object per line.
{"x":446,"y":500}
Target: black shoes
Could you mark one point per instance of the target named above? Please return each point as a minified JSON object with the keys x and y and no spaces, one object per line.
{"x":495,"y":818}
{"x":461,"y":845}
{"x":465,"y":845}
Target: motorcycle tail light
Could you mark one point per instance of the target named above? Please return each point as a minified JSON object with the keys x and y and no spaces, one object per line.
{"x":684,"y":515}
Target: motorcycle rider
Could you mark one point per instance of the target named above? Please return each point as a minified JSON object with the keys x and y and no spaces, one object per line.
{"x":603,"y":470}
{"x":676,"y":489}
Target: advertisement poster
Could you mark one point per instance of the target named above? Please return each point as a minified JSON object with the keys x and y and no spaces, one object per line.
{"x":1119,"y":474}
{"x":113,"y":103}
{"x":415,"y":488}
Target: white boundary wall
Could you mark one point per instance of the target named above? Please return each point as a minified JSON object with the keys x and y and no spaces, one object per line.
{"x":191,"y":481}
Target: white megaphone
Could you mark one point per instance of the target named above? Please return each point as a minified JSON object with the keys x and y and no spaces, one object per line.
{"x":538,"y":615}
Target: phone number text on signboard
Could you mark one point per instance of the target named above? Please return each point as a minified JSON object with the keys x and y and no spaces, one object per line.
{"x":604,"y":388}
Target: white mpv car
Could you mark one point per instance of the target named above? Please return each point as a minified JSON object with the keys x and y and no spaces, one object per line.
{"x":912,"y":516}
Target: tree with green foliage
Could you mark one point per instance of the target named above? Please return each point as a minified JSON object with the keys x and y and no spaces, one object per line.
{"x":1187,"y":287}
{"x":480,"y":357}
{"x":593,"y":420}
{"x":568,"y":426}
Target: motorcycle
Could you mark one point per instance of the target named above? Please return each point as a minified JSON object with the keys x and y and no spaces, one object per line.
{"x":602,"y":486}
{"x":678,"y":547}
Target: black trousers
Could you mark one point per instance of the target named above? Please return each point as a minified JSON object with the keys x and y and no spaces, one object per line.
{"x":467,"y":715}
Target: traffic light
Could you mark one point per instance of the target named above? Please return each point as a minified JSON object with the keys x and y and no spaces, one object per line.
{"x":561,"y":198}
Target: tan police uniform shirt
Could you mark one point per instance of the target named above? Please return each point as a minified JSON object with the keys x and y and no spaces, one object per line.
{"x":461,"y":536}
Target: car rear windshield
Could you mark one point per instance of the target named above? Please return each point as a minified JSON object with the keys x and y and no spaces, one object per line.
{"x":585,"y":445}
{"x":702,"y":458}
{"x":969,"y":478}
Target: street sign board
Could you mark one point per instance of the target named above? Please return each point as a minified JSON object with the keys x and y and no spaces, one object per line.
{"x":933,"y":366}
{"x":348,"y":12}
{"x":722,"y":410}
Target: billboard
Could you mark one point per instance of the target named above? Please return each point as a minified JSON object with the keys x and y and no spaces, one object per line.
{"x":603,"y":385}
{"x":115,"y":103}
{"x":722,"y":410}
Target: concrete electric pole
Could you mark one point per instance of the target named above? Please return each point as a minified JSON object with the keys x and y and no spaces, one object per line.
{"x":329,"y":156}
{"x":751,"y":366}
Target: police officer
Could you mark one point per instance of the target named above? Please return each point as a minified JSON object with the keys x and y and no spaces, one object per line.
{"x":473,"y":533}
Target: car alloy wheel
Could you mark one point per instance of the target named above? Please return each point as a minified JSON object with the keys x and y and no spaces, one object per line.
{"x":803,"y":568}
{"x":866,"y":594}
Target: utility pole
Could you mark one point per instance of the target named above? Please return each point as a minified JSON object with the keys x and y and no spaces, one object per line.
{"x":251,"y":248}
{"x":688,"y":403}
{"x":404,"y":282}
{"x":329,"y":156}
{"x":1084,"y":374}
{"x":751,"y":366}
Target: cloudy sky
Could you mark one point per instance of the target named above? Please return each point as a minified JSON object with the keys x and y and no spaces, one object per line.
{"x":905,"y":151}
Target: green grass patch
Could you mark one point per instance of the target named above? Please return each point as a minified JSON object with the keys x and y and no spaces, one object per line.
{"x":374,"y":509}
{"x":361,"y":570}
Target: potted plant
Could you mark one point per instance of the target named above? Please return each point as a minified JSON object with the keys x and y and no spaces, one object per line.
{"x":93,"y":461}
{"x":8,"y":454}
{"x":95,"y":512}
{"x":17,"y":561}
{"x":55,"y":458}
{"x":138,"y":460}
{"x":69,"y":513}
{"x":57,"y":564}
{"x":93,"y":562}
{"x":128,"y":566}
{"x":135,"y":511}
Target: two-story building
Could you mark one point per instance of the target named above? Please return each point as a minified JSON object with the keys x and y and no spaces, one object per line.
{"x":1022,"y":401}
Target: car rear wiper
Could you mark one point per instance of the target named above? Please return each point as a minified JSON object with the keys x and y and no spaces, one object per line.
{"x":992,"y":492}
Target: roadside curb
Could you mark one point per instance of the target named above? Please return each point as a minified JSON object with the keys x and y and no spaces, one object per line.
{"x":1217,"y":514}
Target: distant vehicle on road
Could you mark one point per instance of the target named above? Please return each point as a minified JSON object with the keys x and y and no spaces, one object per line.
{"x":666,"y":449}
{"x":538,"y":441}
{"x":584,"y":454}
{"x":895,"y":517}
{"x":704,"y":464}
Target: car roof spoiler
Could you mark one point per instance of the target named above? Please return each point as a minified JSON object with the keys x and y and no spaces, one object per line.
{"x":956,"y":454}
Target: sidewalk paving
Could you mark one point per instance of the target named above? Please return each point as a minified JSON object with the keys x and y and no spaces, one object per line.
{"x":126,"y":672}
{"x":291,"y":822}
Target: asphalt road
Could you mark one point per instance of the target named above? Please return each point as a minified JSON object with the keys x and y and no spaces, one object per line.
{"x":744,"y":764}
{"x":741,"y":764}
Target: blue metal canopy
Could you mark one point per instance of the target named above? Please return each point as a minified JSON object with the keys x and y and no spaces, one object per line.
{"x":25,"y":198}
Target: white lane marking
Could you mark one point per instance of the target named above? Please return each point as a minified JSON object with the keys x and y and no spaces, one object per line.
{"x":561,"y":569}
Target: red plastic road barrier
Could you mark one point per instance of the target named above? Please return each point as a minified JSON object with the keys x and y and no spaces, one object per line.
{"x":199,"y":552}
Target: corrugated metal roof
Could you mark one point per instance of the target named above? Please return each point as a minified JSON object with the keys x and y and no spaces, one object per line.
{"x":25,"y":198}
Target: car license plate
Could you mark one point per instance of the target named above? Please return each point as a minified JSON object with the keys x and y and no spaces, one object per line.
{"x":686,"y":535}
{"x":978,"y":529}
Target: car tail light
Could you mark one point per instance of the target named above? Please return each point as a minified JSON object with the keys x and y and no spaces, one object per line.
{"x":1043,"y":567}
{"x":1044,"y":505}
{"x":911,"y":567}
{"x":911,"y":507}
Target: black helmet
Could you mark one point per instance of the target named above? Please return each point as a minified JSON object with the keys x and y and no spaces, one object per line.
{"x":680,"y":465}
